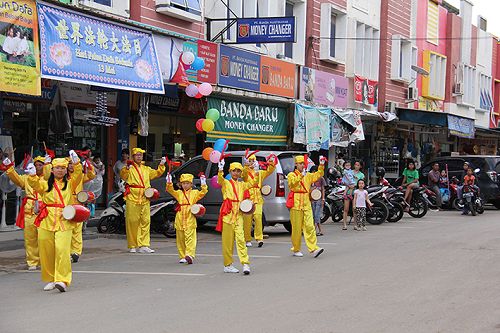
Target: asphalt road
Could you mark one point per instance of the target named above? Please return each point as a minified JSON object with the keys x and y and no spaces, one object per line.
{"x":437,"y":274}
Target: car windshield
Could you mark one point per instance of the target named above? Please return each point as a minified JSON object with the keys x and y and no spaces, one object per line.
{"x":494,"y":163}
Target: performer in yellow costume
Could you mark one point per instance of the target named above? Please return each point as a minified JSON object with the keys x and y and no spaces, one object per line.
{"x":251,"y":172}
{"x":137,"y":214}
{"x":54,"y":232}
{"x":28,"y":210}
{"x":231,"y":218}
{"x":185,"y":221}
{"x":299,"y":183}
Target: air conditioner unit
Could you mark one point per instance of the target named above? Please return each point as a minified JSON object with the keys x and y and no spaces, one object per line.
{"x":390,"y":107}
{"x":458,"y":89}
{"x":412,"y":94}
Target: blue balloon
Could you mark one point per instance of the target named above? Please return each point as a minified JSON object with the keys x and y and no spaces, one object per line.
{"x":228,"y":176}
{"x":198,"y":64}
{"x":219,"y":145}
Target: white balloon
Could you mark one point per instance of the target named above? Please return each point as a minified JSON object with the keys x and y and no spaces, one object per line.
{"x":188,"y":58}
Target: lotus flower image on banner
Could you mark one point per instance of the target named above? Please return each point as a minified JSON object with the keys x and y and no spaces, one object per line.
{"x":79,"y":48}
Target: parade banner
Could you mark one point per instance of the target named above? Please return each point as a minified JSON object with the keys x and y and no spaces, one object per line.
{"x":323,"y":88}
{"x":266,"y":30}
{"x":80,"y":48}
{"x":19,"y":52}
{"x":248,"y":124}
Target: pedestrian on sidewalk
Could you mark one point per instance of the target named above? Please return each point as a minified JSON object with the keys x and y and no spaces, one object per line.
{"x":185,"y":221}
{"x":318,"y":205}
{"x":137,"y":177}
{"x":359,"y":205}
{"x":299,"y":203}
{"x":433,"y":179}
{"x":54,"y":231}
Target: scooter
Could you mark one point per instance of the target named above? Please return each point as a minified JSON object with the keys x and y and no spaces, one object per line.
{"x":472,"y":200}
{"x":112,"y":219}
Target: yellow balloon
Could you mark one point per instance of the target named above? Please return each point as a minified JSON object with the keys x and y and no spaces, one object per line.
{"x":208,"y":125}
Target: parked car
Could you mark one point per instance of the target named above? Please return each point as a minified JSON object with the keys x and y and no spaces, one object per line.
{"x":487,"y":179}
{"x":274,"y":210}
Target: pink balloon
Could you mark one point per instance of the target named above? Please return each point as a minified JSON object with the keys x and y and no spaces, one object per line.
{"x":192,"y":90}
{"x":214,"y":183}
{"x":215,"y":156}
{"x":205,"y":89}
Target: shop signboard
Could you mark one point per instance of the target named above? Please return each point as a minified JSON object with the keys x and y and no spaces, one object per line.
{"x":249,"y":124}
{"x":83,"y":94}
{"x":277,"y":77}
{"x":208,"y":51}
{"x":193,"y":48}
{"x":461,"y":127}
{"x":266,"y":30}
{"x":80,"y":48}
{"x":323,"y":88}
{"x":20,"y":56}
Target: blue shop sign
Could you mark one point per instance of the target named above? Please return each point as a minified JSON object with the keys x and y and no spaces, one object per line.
{"x":79,"y":48}
{"x":239,"y":69}
{"x":266,"y":30}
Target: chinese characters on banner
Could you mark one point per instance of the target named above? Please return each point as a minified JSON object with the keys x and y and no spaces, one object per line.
{"x":20,"y":59}
{"x":365,"y":91}
{"x":82,"y":49}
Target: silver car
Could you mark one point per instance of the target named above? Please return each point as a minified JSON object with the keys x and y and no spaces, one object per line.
{"x":274,"y":211}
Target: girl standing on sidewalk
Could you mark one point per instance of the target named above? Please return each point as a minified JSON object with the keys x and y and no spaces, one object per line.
{"x":359,"y":205}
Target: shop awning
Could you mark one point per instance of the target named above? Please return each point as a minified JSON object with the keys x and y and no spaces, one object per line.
{"x":423,"y":117}
{"x":461,"y":127}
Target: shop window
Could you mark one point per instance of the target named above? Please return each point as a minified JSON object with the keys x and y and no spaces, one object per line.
{"x":467,"y":77}
{"x":103,"y":2}
{"x":188,"y":10}
{"x":289,"y":46}
{"x":401,"y":59}
{"x":115,"y":7}
{"x":433,"y":85}
{"x":485,"y":102}
{"x":333,"y":33}
{"x":366,"y":51}
{"x":432,"y":22}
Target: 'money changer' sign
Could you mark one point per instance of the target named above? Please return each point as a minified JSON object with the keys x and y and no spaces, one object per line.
{"x":266,"y":30}
{"x":249,"y":124}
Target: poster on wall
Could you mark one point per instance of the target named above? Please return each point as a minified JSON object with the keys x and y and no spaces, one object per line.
{"x":80,"y":48}
{"x":20,"y":56}
{"x":323,"y":88}
{"x":312,"y":126}
{"x":365,"y":91}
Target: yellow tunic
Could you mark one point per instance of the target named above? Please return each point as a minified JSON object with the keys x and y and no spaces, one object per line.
{"x":229,"y":193}
{"x":184,"y":219}
{"x":251,"y":174}
{"x":55,"y":221}
{"x":133,"y":178}
{"x":22,"y":182}
{"x":301,"y":186}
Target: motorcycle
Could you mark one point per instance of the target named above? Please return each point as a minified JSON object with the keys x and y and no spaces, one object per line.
{"x":379,"y":211}
{"x":472,"y":200}
{"x":334,"y":204}
{"x":449,"y":198}
{"x":112,"y":219}
{"x":419,"y":204}
{"x":396,"y":211}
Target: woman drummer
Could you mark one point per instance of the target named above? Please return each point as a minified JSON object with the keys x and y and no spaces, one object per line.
{"x":185,"y":221}
{"x":55,"y":232}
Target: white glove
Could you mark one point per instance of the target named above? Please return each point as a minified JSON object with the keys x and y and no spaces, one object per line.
{"x":245,"y":161}
{"x":163,"y":160}
{"x":203,"y":180}
{"x":7,"y":161}
{"x":168,"y":178}
{"x":304,"y":172}
{"x":256,"y":166}
{"x":30,"y":169}
{"x":221,"y":165}
{"x":74,"y":157}
{"x":48,"y":159}
{"x":322,"y":160}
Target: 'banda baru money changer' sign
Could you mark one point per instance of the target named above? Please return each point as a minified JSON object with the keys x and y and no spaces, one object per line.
{"x":249,"y":124}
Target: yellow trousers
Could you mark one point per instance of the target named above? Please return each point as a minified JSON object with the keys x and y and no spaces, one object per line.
{"x":186,"y":242}
{"x":302,"y":221}
{"x":137,"y":223}
{"x":55,"y":259}
{"x":247,"y":225}
{"x":31,"y":240}
{"x":77,"y":239}
{"x":230,"y":233}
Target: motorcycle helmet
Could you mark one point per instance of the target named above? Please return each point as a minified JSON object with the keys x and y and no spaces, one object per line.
{"x":380,"y":172}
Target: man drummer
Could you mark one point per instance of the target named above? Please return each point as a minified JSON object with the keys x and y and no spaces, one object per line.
{"x":28,"y":210}
{"x":137,"y":177}
{"x":301,"y":218}
{"x":230,"y":221}
{"x":251,"y":171}
{"x":185,"y":221}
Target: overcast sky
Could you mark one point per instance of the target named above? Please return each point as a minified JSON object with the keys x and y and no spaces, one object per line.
{"x":490,"y":9}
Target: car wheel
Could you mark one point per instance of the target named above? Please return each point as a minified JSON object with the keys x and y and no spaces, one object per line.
{"x":496,"y":204}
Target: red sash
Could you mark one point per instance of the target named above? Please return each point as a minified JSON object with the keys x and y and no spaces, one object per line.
{"x":226,"y":208}
{"x":21,"y":214}
{"x":178,"y":206}
{"x":128,"y":187}
{"x":44,"y":212}
{"x":290,"y":200}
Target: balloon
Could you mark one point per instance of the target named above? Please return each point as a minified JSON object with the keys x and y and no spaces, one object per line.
{"x":214,"y":183}
{"x":192,"y":90}
{"x":215,"y":156}
{"x":198,"y":64}
{"x":219,"y":145}
{"x":206,"y":153}
{"x":199,"y":124}
{"x":187,"y":58}
{"x":205,"y":89}
{"x":208,"y":125}
{"x":198,"y":95}
{"x":213,"y":114}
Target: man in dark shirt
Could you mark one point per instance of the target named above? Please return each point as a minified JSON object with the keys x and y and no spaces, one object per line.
{"x":433,"y":181}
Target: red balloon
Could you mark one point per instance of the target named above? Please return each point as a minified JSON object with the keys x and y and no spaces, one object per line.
{"x":199,"y":123}
{"x":198,"y":95}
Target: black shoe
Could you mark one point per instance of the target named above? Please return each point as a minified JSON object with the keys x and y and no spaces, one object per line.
{"x":260,"y":244}
{"x":74,"y":257}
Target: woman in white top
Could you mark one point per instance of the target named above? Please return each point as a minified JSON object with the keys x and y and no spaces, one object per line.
{"x":23,"y":49}
{"x":10,"y":43}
